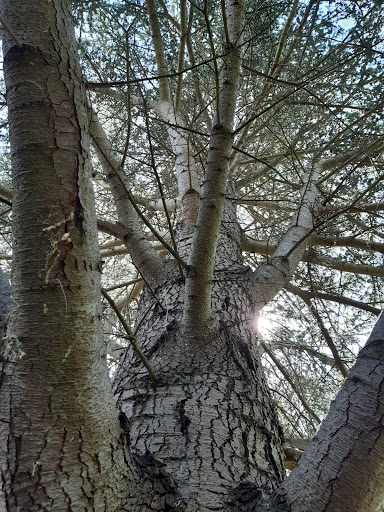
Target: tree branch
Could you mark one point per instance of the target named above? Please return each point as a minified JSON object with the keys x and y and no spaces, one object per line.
{"x":159,"y":51}
{"x":273,"y":275}
{"x":6,"y":193}
{"x":266,"y":249}
{"x":143,"y":255}
{"x":276,"y":345}
{"x":345,"y":444}
{"x":328,"y":338}
{"x":197,"y":304}
{"x":19,"y":44}
{"x":305,"y":295}
{"x":291,"y":383}
{"x":131,"y":337}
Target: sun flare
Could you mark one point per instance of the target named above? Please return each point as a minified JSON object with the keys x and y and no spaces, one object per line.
{"x":263,"y":325}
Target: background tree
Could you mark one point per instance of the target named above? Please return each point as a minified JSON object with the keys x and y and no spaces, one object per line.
{"x":243,"y":143}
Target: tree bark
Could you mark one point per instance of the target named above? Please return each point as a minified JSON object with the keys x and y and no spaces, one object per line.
{"x":143,"y":255}
{"x":205,"y":436}
{"x":210,"y":419}
{"x":60,"y":429}
{"x":5,"y":295}
{"x":198,"y":286}
{"x":342,"y":468}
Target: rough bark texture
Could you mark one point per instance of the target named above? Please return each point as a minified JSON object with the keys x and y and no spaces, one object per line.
{"x":206,"y":437}
{"x":6,"y":369}
{"x":209,"y":422}
{"x":61,"y":434}
{"x":5,"y":292}
{"x":342,"y":469}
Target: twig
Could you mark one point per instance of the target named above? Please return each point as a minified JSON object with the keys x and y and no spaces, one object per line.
{"x":133,"y":202}
{"x":126,"y":283}
{"x":131,"y":337}
{"x":19,"y":44}
{"x":291,"y":383}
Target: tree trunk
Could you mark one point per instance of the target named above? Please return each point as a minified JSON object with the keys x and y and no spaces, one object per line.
{"x":205,"y":436}
{"x":210,"y":419}
{"x":342,"y":468}
{"x":5,"y":292}
{"x":61,"y":433}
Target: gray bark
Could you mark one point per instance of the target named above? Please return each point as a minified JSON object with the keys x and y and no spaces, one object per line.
{"x":61,"y":442}
{"x":270,"y":277}
{"x":186,"y":172}
{"x":143,"y":255}
{"x":198,"y":287}
{"x":206,"y":436}
{"x":5,"y":293}
{"x":342,"y":468}
{"x":210,"y":419}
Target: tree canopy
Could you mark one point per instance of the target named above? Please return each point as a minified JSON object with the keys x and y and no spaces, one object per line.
{"x":293,"y":91}
{"x":310,"y":95}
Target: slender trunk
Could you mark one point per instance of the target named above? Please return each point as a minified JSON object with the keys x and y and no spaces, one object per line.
{"x":197,"y":307}
{"x":63,"y":441}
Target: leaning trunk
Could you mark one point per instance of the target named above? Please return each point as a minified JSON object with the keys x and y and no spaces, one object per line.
{"x":342,"y":468}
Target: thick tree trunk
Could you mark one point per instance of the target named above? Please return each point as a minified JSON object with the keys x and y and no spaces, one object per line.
{"x":61,"y":433}
{"x":210,"y":420}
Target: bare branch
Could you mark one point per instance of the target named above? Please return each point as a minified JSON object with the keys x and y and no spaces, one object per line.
{"x":197,"y":305}
{"x":305,"y":294}
{"x":19,"y":44}
{"x":143,"y":255}
{"x":328,"y":338}
{"x":5,"y":192}
{"x":123,"y":285}
{"x":269,"y":249}
{"x":131,"y":337}
{"x":291,"y":383}
{"x":299,"y":347}
{"x":272,"y":276}
{"x":159,"y":51}
{"x":180,"y":63}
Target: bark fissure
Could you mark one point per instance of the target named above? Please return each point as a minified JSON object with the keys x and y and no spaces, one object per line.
{"x":346,"y":444}
{"x":206,"y":437}
{"x":54,"y":340}
{"x":210,"y":418}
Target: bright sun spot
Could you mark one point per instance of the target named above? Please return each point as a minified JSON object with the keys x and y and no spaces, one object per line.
{"x":347,"y":23}
{"x":264,"y":325}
